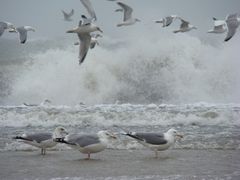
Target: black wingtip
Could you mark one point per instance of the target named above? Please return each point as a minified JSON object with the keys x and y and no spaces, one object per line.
{"x":60,"y":140}
{"x":227,"y":39}
{"x":22,"y":138}
{"x":215,"y":19}
{"x":82,"y":59}
{"x":84,"y":17}
{"x":17,"y":137}
{"x":135,"y":137}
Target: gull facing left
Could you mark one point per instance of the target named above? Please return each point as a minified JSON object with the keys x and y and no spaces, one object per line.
{"x":127,"y":19}
{"x":43,"y":140}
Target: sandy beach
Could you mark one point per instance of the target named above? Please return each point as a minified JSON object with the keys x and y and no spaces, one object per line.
{"x":121,"y":164}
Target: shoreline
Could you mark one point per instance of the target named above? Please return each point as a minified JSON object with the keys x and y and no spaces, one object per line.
{"x":120,"y":164}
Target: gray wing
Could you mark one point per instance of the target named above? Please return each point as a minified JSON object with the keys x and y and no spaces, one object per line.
{"x":87,"y":4}
{"x":1,"y":30}
{"x":65,"y":14}
{"x":169,"y":20}
{"x":151,"y":138}
{"x":38,"y":137}
{"x":85,"y":40}
{"x":232,"y":25}
{"x":71,"y":13}
{"x":82,"y":140}
{"x":184,"y":24}
{"x":2,"y":27}
{"x":127,"y":11}
{"x":232,"y":16}
{"x":22,"y":34}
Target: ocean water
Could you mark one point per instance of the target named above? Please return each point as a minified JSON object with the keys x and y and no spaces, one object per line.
{"x":205,"y":126}
{"x":178,"y":81}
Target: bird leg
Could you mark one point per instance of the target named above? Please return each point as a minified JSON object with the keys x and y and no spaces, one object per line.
{"x":88,"y":157}
{"x":43,"y":151}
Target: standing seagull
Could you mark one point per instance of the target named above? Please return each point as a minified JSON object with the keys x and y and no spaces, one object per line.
{"x":83,"y":32}
{"x":43,"y":140}
{"x":220,"y":26}
{"x":127,"y":19}
{"x":156,"y":141}
{"x":87,"y":4}
{"x":167,"y":20}
{"x":4,"y":26}
{"x":233,"y":22}
{"x":88,"y":143}
{"x":67,"y":16}
{"x":23,"y":32}
{"x":185,"y":26}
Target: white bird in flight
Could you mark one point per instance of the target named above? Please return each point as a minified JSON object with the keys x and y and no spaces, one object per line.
{"x":127,"y":18}
{"x":22,"y":31}
{"x":4,"y":26}
{"x":83,"y":32}
{"x":233,"y":22}
{"x":67,"y":16}
{"x":185,"y":26}
{"x":168,"y":20}
{"x":220,"y":26}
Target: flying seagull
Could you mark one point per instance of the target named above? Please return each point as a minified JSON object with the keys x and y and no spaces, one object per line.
{"x":156,"y":141}
{"x":88,"y":143}
{"x":67,"y":16}
{"x":185,"y":26}
{"x":4,"y":26}
{"x":87,"y":4}
{"x":22,"y":31}
{"x":127,"y":18}
{"x":233,"y":22}
{"x":166,"y":21}
{"x":83,"y":32}
{"x":43,"y":140}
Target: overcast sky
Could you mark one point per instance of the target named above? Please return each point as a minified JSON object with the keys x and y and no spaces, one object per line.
{"x":46,"y":16}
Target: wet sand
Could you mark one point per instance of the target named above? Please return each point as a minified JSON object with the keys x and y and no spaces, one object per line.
{"x":121,"y":164}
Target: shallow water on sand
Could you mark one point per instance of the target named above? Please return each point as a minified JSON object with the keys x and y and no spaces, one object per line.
{"x":121,"y":165}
